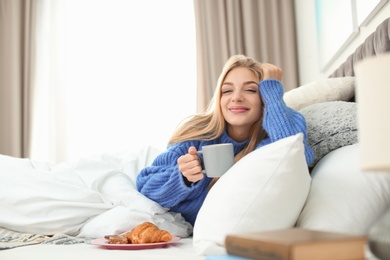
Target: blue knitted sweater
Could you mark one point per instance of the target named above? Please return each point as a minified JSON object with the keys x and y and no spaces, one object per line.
{"x":164,"y":183}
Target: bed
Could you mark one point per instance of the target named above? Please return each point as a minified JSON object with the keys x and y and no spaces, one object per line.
{"x":100,"y":198}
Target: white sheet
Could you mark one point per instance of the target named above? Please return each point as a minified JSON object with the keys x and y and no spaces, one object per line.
{"x":92,"y":197}
{"x":178,"y":251}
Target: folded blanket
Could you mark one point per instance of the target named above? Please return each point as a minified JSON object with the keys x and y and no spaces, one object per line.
{"x":10,"y":239}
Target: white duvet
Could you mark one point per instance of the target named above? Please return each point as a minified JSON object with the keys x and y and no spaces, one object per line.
{"x":92,"y":197}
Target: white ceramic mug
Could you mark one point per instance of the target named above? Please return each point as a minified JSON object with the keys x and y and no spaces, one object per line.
{"x":217,"y":159}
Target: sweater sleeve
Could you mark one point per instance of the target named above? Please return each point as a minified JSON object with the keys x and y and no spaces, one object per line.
{"x":279,"y":120}
{"x":163,"y":183}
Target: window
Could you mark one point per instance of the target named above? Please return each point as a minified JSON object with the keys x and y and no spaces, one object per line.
{"x":128,"y":78}
{"x":338,"y":23}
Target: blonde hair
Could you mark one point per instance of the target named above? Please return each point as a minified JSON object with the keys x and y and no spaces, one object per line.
{"x":211,"y":124}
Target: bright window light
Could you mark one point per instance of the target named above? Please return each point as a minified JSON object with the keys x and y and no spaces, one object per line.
{"x":130,"y":73}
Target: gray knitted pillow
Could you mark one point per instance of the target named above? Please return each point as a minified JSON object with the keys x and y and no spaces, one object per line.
{"x":330,"y":125}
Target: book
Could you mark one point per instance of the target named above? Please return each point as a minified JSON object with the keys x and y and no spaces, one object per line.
{"x":296,"y":244}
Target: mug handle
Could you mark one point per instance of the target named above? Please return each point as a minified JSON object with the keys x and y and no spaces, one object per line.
{"x":201,"y":152}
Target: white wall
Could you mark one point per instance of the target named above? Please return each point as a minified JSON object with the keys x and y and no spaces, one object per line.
{"x":308,"y":53}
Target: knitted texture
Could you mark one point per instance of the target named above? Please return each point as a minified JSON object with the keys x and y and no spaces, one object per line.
{"x":11,"y":239}
{"x":330,"y":125}
{"x":164,"y":183}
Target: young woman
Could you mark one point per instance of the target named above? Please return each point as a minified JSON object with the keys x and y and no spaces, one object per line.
{"x":247,"y":110}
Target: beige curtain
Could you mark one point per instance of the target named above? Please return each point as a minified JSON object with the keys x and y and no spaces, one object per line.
{"x":262,"y":29}
{"x":16,"y":56}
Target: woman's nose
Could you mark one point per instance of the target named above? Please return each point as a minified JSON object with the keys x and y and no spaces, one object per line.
{"x":237,"y":97}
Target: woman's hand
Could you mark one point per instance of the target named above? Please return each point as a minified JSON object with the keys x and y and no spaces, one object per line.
{"x":271,"y":71}
{"x":190,"y":165}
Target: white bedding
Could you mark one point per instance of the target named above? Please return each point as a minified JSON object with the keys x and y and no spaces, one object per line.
{"x":91,"y":198}
{"x":182,"y":250}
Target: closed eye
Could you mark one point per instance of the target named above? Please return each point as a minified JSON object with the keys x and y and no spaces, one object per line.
{"x":252,"y":90}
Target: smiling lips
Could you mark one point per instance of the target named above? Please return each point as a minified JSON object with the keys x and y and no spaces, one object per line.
{"x":238,"y":109}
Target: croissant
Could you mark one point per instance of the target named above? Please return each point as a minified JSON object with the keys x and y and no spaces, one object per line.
{"x":114,"y":239}
{"x":147,"y":232}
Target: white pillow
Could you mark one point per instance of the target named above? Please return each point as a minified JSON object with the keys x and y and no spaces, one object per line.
{"x":331,"y":89}
{"x":342,"y":197}
{"x":265,"y":190}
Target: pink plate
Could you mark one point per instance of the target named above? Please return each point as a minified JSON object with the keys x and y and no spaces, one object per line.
{"x":102,"y":242}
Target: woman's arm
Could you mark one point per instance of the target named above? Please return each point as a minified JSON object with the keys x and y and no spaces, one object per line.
{"x":163,"y":183}
{"x":279,"y":120}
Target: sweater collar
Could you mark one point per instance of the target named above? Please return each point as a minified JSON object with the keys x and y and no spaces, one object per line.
{"x":238,"y":146}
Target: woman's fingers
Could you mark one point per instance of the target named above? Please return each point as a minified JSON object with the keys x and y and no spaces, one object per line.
{"x":271,"y":71}
{"x":190,"y":166}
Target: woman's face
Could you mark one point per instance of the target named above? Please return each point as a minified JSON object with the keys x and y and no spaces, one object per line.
{"x":240,"y":102}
